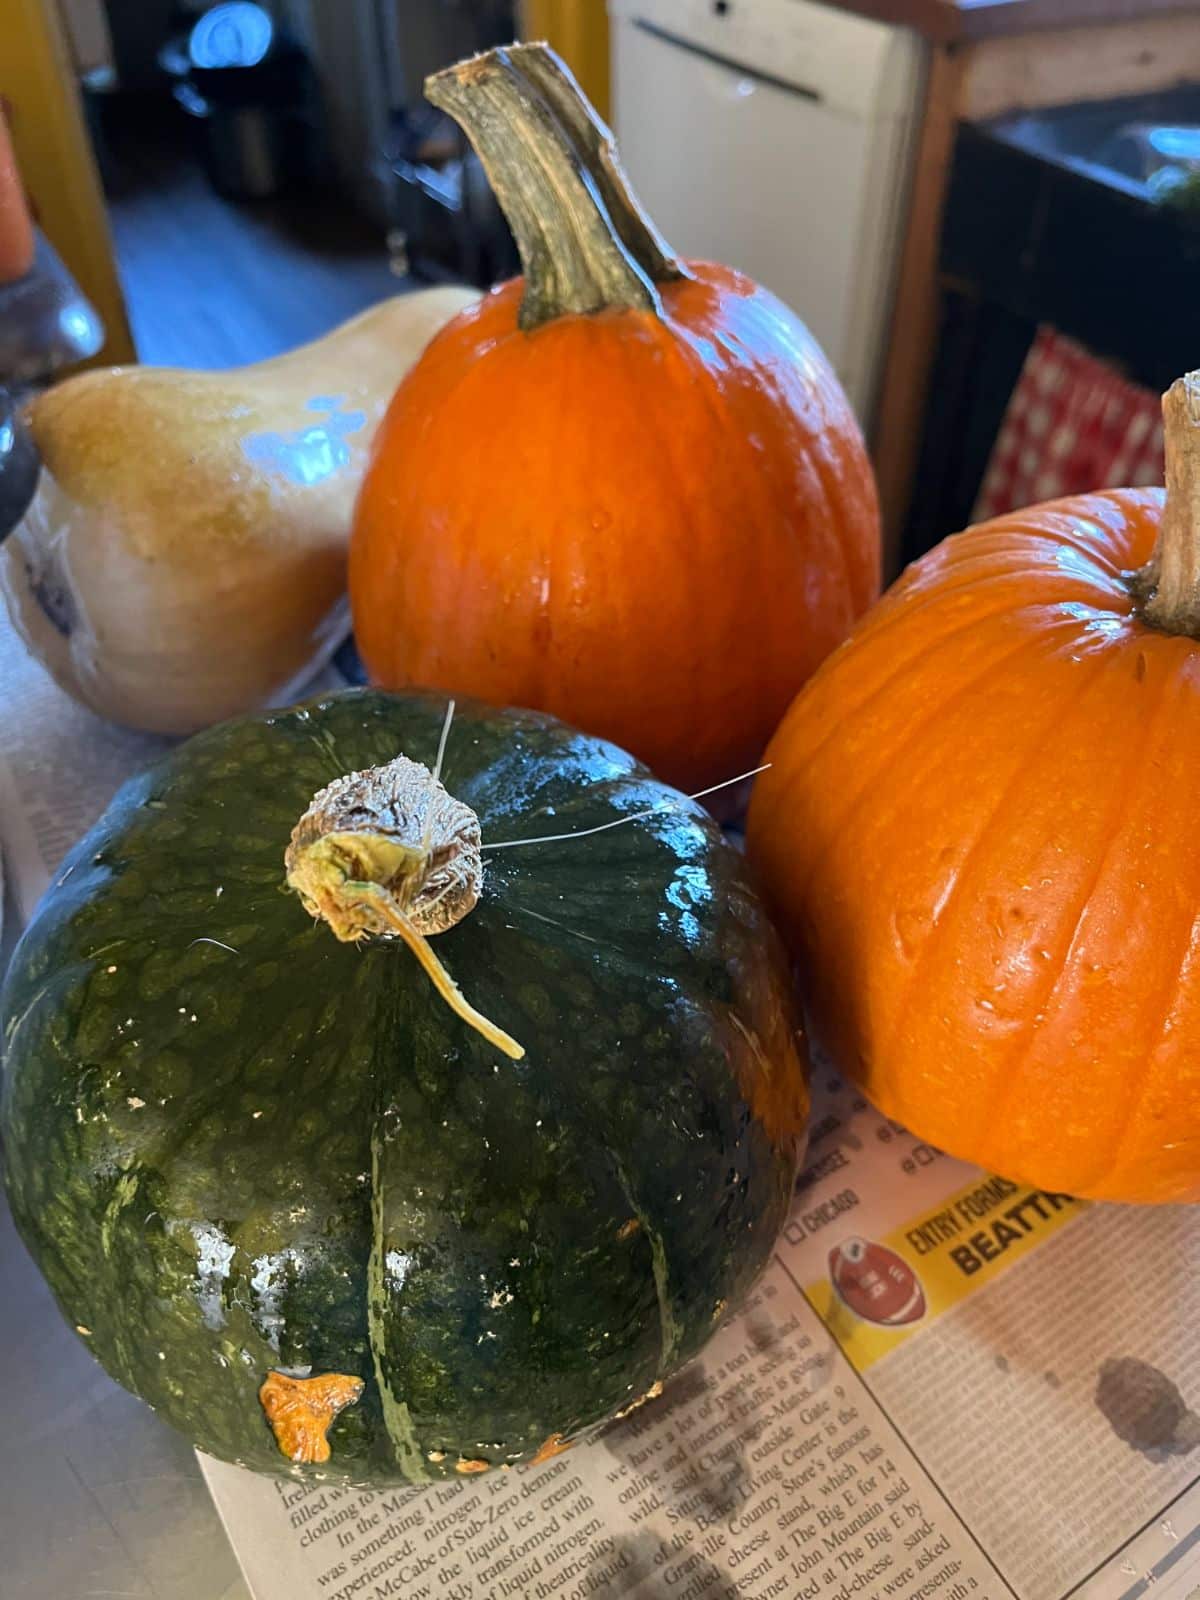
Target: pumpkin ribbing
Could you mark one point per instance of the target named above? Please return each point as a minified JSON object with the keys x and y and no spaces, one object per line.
{"x":972,"y":835}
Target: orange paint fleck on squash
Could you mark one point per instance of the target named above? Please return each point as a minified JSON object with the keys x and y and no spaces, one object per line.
{"x":553,"y":1446}
{"x":468,"y":1467}
{"x":652,"y":1393}
{"x":300,"y":1411}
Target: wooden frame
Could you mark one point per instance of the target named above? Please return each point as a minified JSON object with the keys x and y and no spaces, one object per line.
{"x":45,"y":116}
{"x":1155,"y":46}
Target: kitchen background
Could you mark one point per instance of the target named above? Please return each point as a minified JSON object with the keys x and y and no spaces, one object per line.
{"x":988,"y":211}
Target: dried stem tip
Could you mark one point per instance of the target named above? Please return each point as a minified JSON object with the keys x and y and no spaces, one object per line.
{"x":389,"y":853}
{"x":1169,"y":583}
{"x":390,"y":836}
{"x":585,"y":243}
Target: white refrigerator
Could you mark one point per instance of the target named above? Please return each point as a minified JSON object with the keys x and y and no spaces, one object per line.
{"x":776,"y":136}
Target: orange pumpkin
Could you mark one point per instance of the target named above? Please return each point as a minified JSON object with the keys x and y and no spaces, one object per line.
{"x":625,"y":490}
{"x":980,"y":834}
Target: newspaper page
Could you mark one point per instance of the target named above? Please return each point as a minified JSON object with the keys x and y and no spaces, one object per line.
{"x":945,"y":1385}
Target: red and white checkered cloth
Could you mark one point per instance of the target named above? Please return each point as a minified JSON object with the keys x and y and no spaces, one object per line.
{"x":1072,"y":425}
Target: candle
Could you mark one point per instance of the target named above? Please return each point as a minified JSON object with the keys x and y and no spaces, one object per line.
{"x":16,"y":231}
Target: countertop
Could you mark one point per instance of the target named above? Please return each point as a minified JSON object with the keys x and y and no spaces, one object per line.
{"x":951,"y":21}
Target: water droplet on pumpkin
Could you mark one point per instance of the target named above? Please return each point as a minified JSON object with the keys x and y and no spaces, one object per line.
{"x":601,"y":520}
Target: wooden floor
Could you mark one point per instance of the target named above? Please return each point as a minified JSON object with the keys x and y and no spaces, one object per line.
{"x":213,"y":283}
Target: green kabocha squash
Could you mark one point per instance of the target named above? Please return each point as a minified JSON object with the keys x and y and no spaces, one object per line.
{"x":325,"y":1221}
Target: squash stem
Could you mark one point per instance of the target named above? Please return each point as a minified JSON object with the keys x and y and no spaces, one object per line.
{"x":585,"y":242}
{"x":1169,"y":583}
{"x":389,"y":851}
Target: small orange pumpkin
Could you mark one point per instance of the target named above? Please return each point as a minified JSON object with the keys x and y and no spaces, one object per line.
{"x":980,"y":834}
{"x":626,"y":490}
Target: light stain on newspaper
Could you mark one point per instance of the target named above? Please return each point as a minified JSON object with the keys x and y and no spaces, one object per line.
{"x":879,"y":1292}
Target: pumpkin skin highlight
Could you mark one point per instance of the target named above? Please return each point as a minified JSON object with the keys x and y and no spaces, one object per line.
{"x":977,"y":838}
{"x":235,"y":1141}
{"x":659,"y":529}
